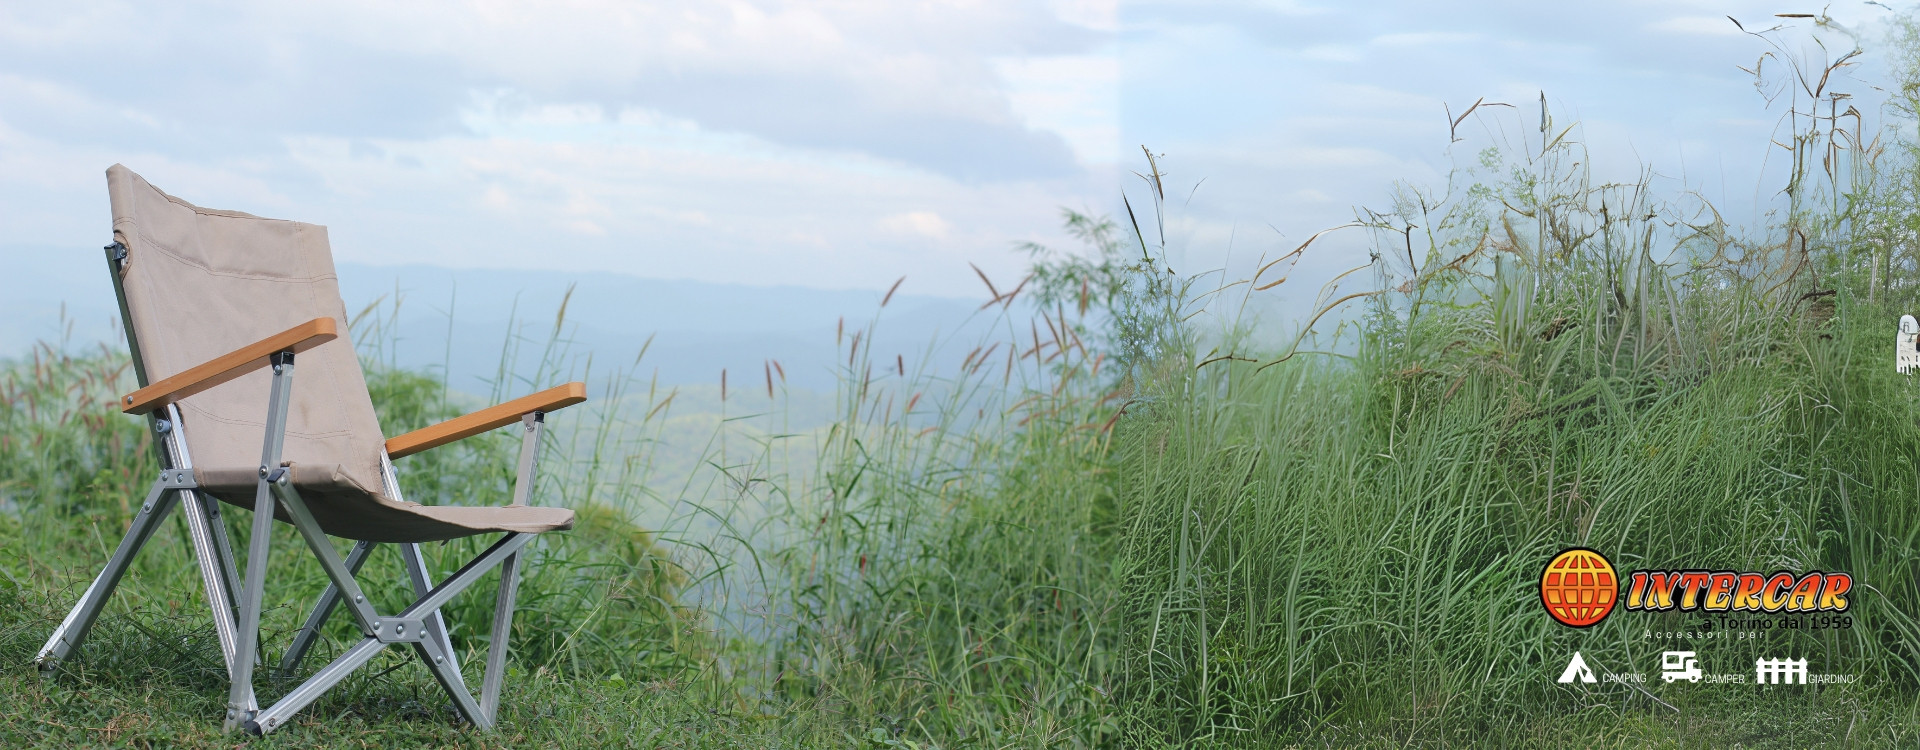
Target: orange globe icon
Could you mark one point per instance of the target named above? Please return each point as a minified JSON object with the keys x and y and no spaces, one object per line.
{"x":1579,"y":587}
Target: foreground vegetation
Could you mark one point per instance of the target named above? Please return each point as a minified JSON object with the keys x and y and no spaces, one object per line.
{"x":928,"y":567}
{"x":1347,"y":548}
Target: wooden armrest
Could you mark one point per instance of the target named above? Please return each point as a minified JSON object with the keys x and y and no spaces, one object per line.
{"x":492,"y":417}
{"x":229,"y":366}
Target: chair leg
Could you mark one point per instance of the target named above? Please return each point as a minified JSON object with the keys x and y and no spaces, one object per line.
{"x":435,"y":624}
{"x":214,"y":576}
{"x":405,"y":627}
{"x":73,"y":630}
{"x":223,"y":551}
{"x":241,"y":704}
{"x":222,"y":544}
{"x":502,"y":635}
{"x":322,"y":609}
{"x":273,"y":717}
{"x":338,"y":573}
{"x":447,"y":672}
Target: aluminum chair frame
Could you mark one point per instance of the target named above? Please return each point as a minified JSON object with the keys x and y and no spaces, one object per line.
{"x":236,"y":608}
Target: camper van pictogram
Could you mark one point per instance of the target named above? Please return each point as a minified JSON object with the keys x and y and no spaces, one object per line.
{"x":1679,"y":665}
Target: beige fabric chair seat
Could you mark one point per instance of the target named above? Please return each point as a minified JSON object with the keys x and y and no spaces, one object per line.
{"x":344,"y":511}
{"x":201,"y":282}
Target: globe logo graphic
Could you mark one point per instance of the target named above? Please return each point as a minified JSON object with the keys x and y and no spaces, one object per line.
{"x":1579,"y":587}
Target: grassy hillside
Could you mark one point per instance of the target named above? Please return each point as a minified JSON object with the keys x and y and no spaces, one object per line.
{"x":1344,"y":547}
{"x":925,"y":562}
{"x":1103,"y":528}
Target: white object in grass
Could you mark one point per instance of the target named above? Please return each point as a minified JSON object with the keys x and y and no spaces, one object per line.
{"x":1906,"y":355}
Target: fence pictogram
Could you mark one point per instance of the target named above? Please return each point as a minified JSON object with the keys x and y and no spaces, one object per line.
{"x":1780,"y":671}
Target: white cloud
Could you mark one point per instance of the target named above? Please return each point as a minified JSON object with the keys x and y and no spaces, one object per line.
{"x":1332,"y":53}
{"x":662,"y":201}
{"x":585,"y":227}
{"x":836,"y":75}
{"x":767,"y":141}
{"x":1102,"y":15}
{"x":1424,"y":38}
{"x":924,"y":223}
{"x":1077,"y":96}
{"x":909,"y":82}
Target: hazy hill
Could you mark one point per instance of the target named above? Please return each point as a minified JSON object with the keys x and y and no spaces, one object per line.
{"x":698,"y":328}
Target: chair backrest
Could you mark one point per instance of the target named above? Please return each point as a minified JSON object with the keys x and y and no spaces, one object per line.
{"x":198,"y":283}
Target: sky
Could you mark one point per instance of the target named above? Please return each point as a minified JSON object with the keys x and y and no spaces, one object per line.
{"x":841,"y":145}
{"x":1279,"y":119}
{"x":833,"y":145}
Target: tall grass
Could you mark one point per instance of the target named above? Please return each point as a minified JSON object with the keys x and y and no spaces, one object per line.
{"x":1341,"y":547}
{"x":930,"y":565}
{"x":932,"y":562}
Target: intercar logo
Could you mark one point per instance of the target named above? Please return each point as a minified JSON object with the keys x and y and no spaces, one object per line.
{"x":1728,"y":591}
{"x":1579,"y":588}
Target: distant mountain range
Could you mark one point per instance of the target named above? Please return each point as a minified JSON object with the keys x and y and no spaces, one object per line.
{"x":461,"y":319}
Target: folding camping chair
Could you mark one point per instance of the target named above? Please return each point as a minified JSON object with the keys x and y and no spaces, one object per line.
{"x":217,"y":305}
